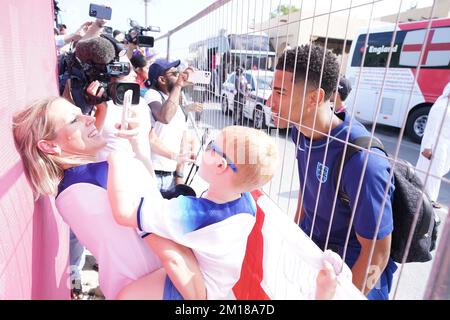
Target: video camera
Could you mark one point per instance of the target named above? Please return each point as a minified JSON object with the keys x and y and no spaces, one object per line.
{"x":114,"y":91}
{"x":82,"y":74}
{"x":136,"y":34}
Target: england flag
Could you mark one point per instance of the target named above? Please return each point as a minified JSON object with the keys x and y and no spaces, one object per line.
{"x":436,"y":51}
{"x":281,"y":262}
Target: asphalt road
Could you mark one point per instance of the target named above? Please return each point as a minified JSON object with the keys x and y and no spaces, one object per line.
{"x":284,"y":190}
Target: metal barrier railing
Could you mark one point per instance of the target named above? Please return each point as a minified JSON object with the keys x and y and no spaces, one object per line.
{"x":254,"y":34}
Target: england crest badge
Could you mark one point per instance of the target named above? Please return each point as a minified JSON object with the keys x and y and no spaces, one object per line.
{"x":322,"y":177}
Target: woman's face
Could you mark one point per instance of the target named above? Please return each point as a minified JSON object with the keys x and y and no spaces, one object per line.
{"x":76,"y":133}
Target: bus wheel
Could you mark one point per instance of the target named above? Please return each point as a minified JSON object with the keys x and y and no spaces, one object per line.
{"x":417,"y":120}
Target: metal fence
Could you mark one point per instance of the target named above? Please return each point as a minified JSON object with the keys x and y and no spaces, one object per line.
{"x":254,"y":34}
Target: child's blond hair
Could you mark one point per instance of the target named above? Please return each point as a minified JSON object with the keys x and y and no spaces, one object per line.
{"x":254,"y":153}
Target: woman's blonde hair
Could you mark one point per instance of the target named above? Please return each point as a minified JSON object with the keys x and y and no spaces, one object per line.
{"x":44,"y":171}
{"x":254,"y":153}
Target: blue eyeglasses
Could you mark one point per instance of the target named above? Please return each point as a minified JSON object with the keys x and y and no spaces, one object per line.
{"x":212,"y":146}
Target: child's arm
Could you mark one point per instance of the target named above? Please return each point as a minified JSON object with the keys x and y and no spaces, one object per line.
{"x":326,"y":283}
{"x":181,"y":266}
{"x":124,"y":196}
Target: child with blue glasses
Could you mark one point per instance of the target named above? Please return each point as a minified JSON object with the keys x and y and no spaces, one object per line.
{"x":215,"y":227}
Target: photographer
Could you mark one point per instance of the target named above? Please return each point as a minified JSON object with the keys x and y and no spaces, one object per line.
{"x":130,"y":39}
{"x":168,"y":121}
{"x":136,"y":40}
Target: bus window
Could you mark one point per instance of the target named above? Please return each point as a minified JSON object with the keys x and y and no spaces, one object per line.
{"x":378,"y":48}
{"x":250,"y":42}
{"x":406,"y":49}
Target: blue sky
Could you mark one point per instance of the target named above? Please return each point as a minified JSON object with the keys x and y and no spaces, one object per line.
{"x":166,"y":14}
{"x":236,"y":16}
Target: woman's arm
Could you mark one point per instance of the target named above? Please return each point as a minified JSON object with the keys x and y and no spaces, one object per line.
{"x":181,"y":266}
{"x":124,"y":196}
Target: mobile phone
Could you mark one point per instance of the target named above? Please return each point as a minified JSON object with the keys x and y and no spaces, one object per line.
{"x":126,"y":107}
{"x":199,"y":76}
{"x":100,"y":11}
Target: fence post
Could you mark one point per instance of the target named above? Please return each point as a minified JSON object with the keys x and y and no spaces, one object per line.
{"x":168,"y":47}
{"x":438,"y":286}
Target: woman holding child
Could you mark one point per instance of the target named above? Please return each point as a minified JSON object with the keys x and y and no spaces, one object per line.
{"x":58,"y":146}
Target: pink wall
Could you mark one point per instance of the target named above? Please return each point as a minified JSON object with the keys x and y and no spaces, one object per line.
{"x":33,"y":239}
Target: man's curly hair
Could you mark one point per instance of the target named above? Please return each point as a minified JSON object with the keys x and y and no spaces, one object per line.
{"x":297,"y":61}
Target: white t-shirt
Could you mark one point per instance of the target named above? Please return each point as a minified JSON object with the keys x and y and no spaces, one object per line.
{"x":121,"y":254}
{"x":114,"y":116}
{"x":170,"y":134}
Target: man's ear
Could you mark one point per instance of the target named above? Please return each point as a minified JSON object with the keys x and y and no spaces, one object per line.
{"x":49,"y":147}
{"x":162,"y":80}
{"x":316,"y":97}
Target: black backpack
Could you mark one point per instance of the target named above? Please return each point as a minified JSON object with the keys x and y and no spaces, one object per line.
{"x":408,"y":190}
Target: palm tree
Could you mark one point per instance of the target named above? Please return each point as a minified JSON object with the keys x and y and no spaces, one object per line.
{"x":283,"y":10}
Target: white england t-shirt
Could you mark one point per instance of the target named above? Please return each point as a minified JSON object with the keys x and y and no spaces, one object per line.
{"x":216,"y":233}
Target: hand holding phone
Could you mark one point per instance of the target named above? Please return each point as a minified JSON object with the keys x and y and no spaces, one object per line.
{"x":100,"y":11}
{"x":126,"y":107}
{"x":200,"y":77}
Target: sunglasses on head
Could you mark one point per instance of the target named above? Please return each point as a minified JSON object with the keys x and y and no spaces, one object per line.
{"x":212,"y":146}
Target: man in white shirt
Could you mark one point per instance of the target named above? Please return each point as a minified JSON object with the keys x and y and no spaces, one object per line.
{"x":168,"y":121}
{"x":436,"y":152}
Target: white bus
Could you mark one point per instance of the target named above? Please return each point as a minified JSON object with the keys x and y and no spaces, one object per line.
{"x":434,"y":74}
{"x":221,"y":54}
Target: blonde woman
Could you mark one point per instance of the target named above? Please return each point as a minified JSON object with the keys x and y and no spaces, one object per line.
{"x":58,"y":146}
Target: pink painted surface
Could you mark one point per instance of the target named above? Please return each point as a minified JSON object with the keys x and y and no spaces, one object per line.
{"x":34,"y":240}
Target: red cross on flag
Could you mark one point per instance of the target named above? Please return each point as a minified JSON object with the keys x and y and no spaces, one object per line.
{"x":436,"y":52}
